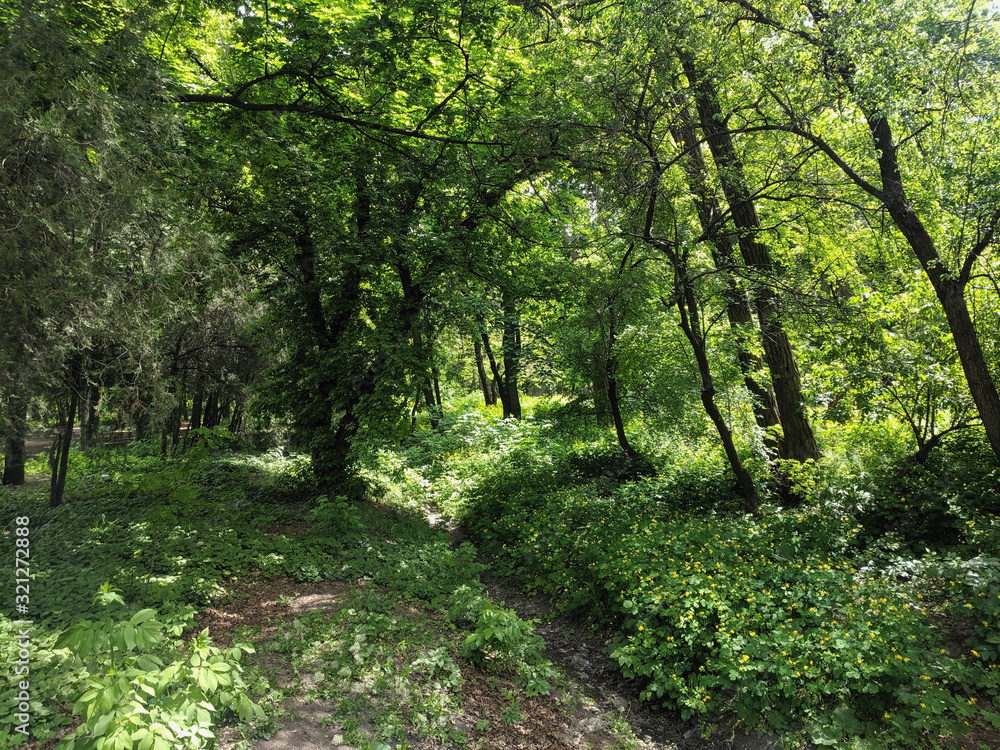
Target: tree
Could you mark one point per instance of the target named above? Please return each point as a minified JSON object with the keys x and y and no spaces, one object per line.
{"x":79,"y":110}
{"x":387,"y":115}
{"x":908,"y":123}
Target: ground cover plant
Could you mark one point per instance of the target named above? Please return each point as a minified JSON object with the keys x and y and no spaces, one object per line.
{"x":116,"y":577}
{"x":800,"y":620}
{"x":144,"y":541}
{"x":727,"y":269}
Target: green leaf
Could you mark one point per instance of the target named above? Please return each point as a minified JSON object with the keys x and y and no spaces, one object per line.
{"x":845,"y":719}
{"x":129,"y":634}
{"x":102,"y":724}
{"x":142,"y":616}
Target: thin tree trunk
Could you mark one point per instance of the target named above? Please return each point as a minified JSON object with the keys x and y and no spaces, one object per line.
{"x":17,"y":425}
{"x":690,"y":324}
{"x":413,"y":414}
{"x":616,"y":414}
{"x":83,"y":416}
{"x":738,"y":310}
{"x":610,"y":367}
{"x":437,"y":389}
{"x":511,"y":356}
{"x":498,"y":381}
{"x":599,"y":382}
{"x":484,"y":382}
{"x":59,"y":460}
{"x":236,"y":422}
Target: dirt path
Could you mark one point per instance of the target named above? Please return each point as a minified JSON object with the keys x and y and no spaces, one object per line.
{"x":40,"y":443}
{"x":589,"y":710}
{"x":36,"y":444}
{"x":567,"y":720}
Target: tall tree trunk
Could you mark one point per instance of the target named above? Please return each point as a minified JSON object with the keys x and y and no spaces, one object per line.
{"x":413,"y":414}
{"x":610,"y":361}
{"x":498,"y":382}
{"x":511,"y":355}
{"x":798,"y":439}
{"x":17,"y":426}
{"x":950,"y":292}
{"x":437,"y":390}
{"x":83,"y":416}
{"x":177,"y":415}
{"x":59,"y":460}
{"x":949,"y":284}
{"x":616,"y":413}
{"x":599,"y":382}
{"x":195,"y":422}
{"x":236,"y":422}
{"x":210,"y":419}
{"x":484,"y":382}
{"x":329,"y":445}
{"x":196,"y":407}
{"x":426,"y":380}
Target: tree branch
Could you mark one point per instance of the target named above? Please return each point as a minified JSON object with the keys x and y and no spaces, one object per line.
{"x":361,"y":125}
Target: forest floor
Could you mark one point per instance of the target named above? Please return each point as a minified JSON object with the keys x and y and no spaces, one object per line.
{"x":592,"y":705}
{"x":359,"y":619}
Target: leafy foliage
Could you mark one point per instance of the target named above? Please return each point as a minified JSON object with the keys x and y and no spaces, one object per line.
{"x":774,"y":619}
{"x":143,"y":691}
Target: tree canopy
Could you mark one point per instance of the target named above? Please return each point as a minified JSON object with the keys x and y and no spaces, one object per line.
{"x":641,"y":207}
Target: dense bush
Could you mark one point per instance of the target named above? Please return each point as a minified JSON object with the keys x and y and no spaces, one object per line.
{"x":772,"y":618}
{"x":915,"y":507}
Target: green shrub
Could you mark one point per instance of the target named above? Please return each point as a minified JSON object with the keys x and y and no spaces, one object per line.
{"x":912,"y":508}
{"x":718,"y":612}
{"x":143,"y":690}
{"x":502,"y":640}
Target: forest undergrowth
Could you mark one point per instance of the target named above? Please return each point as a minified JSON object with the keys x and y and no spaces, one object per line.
{"x":864,"y":617}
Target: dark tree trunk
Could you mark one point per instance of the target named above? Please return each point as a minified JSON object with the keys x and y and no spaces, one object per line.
{"x":84,"y":410}
{"x":437,"y":388}
{"x":949,"y":284}
{"x":59,"y":460}
{"x":599,"y":382}
{"x":194,"y":423}
{"x":690,"y":324}
{"x":142,"y":418}
{"x":511,"y":356}
{"x":17,"y":426}
{"x":236,"y":422}
{"x":498,"y":382}
{"x":413,"y":414}
{"x":798,"y":440}
{"x":427,"y":385}
{"x":611,"y":382}
{"x":484,"y":382}
{"x":329,"y":446}
{"x":177,"y":416}
{"x":196,"y":407}
{"x":712,"y":219}
{"x":616,"y":413}
{"x":210,"y":419}
{"x":333,"y":465}
{"x":951,"y":294}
